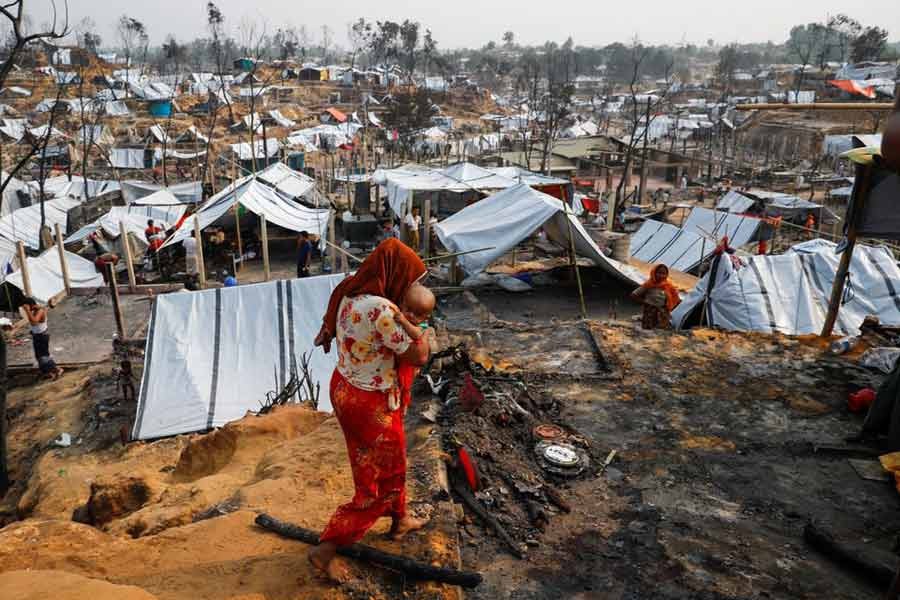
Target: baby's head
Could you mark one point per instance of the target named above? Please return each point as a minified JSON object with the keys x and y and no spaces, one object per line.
{"x":418,"y":303}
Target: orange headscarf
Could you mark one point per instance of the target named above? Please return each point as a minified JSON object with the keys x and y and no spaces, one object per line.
{"x":388,"y":272}
{"x":659,"y":281}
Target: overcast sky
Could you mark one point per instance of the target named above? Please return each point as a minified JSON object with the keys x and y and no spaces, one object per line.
{"x":474,"y":22}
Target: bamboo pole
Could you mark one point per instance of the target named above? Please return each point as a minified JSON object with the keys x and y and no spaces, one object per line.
{"x":331,"y":242}
{"x":114,"y":295}
{"x":573,"y":258}
{"x":264,"y":232}
{"x":23,"y":266}
{"x":129,"y":262}
{"x":237,"y":229}
{"x":63,"y":265}
{"x":860,"y":194}
{"x":201,"y":265}
{"x":426,"y":218}
{"x":819,"y":106}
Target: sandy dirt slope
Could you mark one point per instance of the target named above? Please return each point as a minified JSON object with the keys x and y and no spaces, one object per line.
{"x":174,"y":518}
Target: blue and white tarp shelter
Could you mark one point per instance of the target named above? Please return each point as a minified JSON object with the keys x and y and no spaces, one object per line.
{"x":790,"y":293}
{"x":684,"y":248}
{"x":212,"y":356}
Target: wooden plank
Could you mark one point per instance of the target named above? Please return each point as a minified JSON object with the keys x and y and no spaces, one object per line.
{"x":129,"y":261}
{"x":201,"y":265}
{"x":63,"y":265}
{"x":264,"y":234}
{"x":23,"y":266}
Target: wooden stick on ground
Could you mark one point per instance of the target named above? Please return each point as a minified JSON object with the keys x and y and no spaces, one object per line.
{"x":409,"y":567}
{"x":473,"y":503}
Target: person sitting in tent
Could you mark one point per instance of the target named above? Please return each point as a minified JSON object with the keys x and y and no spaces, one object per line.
{"x":659,"y":297}
{"x":366,"y":397}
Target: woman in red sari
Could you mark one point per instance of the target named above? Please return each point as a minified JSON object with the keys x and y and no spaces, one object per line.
{"x":367,"y":397}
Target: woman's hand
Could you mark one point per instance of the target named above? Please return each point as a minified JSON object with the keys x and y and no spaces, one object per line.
{"x":418,"y":352}
{"x":323,"y":339}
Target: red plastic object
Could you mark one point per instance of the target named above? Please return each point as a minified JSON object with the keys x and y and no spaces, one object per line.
{"x":470,"y":396}
{"x":861,"y":400}
{"x":468,"y":467}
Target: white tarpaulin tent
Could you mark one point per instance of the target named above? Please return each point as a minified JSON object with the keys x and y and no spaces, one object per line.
{"x":45,"y":274}
{"x":11,"y":200}
{"x":735,"y":202}
{"x":162,"y":197}
{"x":25,"y":224}
{"x":135,"y":219}
{"x":503,"y":220}
{"x":259,"y":199}
{"x":789,"y":293}
{"x":62,"y":187}
{"x":656,"y":242}
{"x":127,"y":158}
{"x":188,"y":193}
{"x":399,"y":183}
{"x":684,"y":248}
{"x":289,"y":182}
{"x":740,"y":230}
{"x":213,"y":355}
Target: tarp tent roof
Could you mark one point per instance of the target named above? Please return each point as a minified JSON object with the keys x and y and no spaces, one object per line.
{"x":161,"y":197}
{"x":684,"y":248}
{"x":735,"y":202}
{"x":11,"y":199}
{"x":25,"y":224}
{"x":789,"y":293}
{"x":61,"y":187}
{"x":259,"y":199}
{"x":740,"y":230}
{"x":506,"y":218}
{"x":289,"y":182}
{"x":225,"y":349}
{"x":135,"y":218}
{"x":657,"y":242}
{"x":45,"y":274}
{"x":187,"y":193}
{"x":458,"y":178}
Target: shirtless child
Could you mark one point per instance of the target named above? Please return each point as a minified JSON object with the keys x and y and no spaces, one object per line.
{"x":417,"y":308}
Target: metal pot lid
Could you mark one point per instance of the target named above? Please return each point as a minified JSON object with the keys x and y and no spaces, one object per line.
{"x":563,"y":456}
{"x":548,"y":431}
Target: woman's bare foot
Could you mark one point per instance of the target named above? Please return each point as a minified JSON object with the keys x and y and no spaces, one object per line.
{"x":400,"y":527}
{"x":324,"y":558}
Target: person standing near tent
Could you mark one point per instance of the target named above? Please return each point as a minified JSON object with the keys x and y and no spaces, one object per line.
{"x":40,"y":338}
{"x":304,"y":254}
{"x":413,"y":221}
{"x":810,"y":225}
{"x":190,"y":254}
{"x":366,"y":397}
{"x":659,"y":297}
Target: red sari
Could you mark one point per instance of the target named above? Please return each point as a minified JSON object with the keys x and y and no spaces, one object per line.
{"x":376,"y":442}
{"x":376,"y":446}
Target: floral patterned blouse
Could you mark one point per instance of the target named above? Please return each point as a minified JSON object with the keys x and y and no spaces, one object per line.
{"x":368,"y":341}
